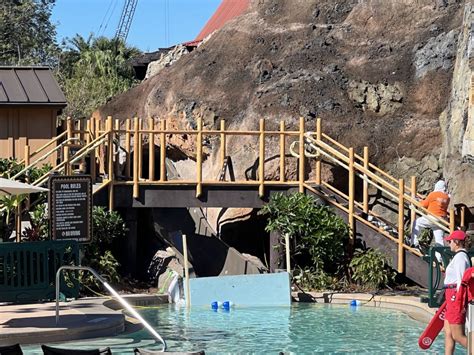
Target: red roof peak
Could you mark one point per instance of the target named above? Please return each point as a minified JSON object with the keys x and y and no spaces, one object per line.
{"x":226,"y":11}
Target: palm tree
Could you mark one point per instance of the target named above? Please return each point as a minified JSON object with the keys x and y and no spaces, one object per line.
{"x":95,"y":69}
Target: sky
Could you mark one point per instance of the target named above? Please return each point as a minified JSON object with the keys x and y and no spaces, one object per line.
{"x":156,"y":23}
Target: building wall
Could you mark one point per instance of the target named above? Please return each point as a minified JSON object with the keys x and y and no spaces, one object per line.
{"x":20,"y":126}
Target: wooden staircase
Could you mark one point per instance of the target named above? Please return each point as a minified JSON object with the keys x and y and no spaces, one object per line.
{"x":122,"y":184}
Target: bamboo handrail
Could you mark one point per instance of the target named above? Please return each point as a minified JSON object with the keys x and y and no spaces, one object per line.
{"x":43,"y":157}
{"x":80,"y":153}
{"x":325,"y":146}
{"x":54,"y":140}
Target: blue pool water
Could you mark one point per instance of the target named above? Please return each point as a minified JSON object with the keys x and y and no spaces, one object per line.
{"x":299,"y":329}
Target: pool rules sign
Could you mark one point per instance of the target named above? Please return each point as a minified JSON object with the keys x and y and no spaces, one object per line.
{"x":70,"y":200}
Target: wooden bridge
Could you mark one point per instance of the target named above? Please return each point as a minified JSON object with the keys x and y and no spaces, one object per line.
{"x":94,"y":146}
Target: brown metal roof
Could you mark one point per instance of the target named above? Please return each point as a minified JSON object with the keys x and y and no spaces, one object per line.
{"x":29,"y":86}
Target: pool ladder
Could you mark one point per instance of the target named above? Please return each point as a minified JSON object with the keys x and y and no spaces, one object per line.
{"x":113,"y":292}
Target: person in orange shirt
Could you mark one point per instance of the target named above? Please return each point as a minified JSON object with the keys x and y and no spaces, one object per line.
{"x":437,"y":203}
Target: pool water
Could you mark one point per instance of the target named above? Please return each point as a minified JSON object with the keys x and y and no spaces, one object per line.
{"x":299,"y":329}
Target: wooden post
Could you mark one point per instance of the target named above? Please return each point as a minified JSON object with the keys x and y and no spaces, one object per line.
{"x":140,"y":149}
{"x":128,"y":127}
{"x":318,"y":162}
{"x":451,"y":220}
{"x":87,"y":135}
{"x":287,"y":250}
{"x":70,"y":135}
{"x":163,"y":151}
{"x":69,"y":127}
{"x":27,"y":163}
{"x":100,"y":148}
{"x":136,"y":192}
{"x":223,"y":143}
{"x":413,"y":195}
{"x":151,"y":150}
{"x":110,"y":160}
{"x":261,"y":160}
{"x":27,"y":160}
{"x":116,"y":138}
{"x":365,"y":199}
{"x":282,"y":151}
{"x":186,"y":272}
{"x":92,"y":153}
{"x":463,"y":218}
{"x":199,"y":158}
{"x":18,"y":223}
{"x":301,"y":162}
{"x":79,"y":129}
{"x":351,"y":200}
{"x":67,"y":168}
{"x":401,"y":232}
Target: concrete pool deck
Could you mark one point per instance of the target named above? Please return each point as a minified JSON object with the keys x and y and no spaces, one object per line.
{"x":101,"y":317}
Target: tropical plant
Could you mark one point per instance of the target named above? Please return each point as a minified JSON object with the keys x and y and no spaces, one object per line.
{"x":10,"y":167}
{"x":27,"y":35}
{"x":39,"y":229}
{"x":314,"y":279}
{"x":92,"y":70}
{"x":371,"y":269}
{"x":107,"y":226}
{"x":318,"y":234}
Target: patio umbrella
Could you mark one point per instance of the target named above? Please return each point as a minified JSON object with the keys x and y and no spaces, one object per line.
{"x":11,"y":188}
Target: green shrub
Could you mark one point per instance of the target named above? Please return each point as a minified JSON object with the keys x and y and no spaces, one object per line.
{"x":370,"y":269}
{"x":314,"y":279}
{"x":318,"y":234}
{"x":39,"y":229}
{"x":107,"y":226}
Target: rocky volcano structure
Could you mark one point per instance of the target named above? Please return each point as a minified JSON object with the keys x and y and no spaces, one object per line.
{"x":393,"y":75}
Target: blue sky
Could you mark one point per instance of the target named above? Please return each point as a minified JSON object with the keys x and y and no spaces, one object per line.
{"x":156,"y":24}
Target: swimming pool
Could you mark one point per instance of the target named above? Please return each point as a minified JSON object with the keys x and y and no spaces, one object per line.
{"x":299,"y":329}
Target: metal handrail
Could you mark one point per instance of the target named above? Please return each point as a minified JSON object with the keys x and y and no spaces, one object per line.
{"x":113,"y":292}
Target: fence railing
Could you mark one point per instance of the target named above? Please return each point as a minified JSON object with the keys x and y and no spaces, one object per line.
{"x":116,"y":148}
{"x":28,"y":270}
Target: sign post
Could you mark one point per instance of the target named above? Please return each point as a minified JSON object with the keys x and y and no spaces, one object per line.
{"x":70,"y":203}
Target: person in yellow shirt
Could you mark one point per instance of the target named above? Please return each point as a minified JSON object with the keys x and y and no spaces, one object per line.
{"x":437,"y":203}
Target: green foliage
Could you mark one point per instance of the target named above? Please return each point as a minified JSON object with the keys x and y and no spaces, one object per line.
{"x":8,"y":204}
{"x":370,"y":268}
{"x":107,"y":226}
{"x":27,"y":35}
{"x":314,"y":279}
{"x":107,"y":267}
{"x":39,"y":229}
{"x":316,"y":231}
{"x":93,"y":70}
{"x":9,"y":167}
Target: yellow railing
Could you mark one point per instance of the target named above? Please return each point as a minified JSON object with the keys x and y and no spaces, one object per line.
{"x":103,"y":142}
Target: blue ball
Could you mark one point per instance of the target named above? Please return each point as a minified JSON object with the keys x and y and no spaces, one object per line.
{"x":214,"y":305}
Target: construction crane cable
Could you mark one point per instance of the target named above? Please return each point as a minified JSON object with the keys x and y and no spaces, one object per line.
{"x":110,"y":16}
{"x":105,"y":16}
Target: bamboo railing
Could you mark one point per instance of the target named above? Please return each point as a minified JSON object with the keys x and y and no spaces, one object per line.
{"x":106,"y":143}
